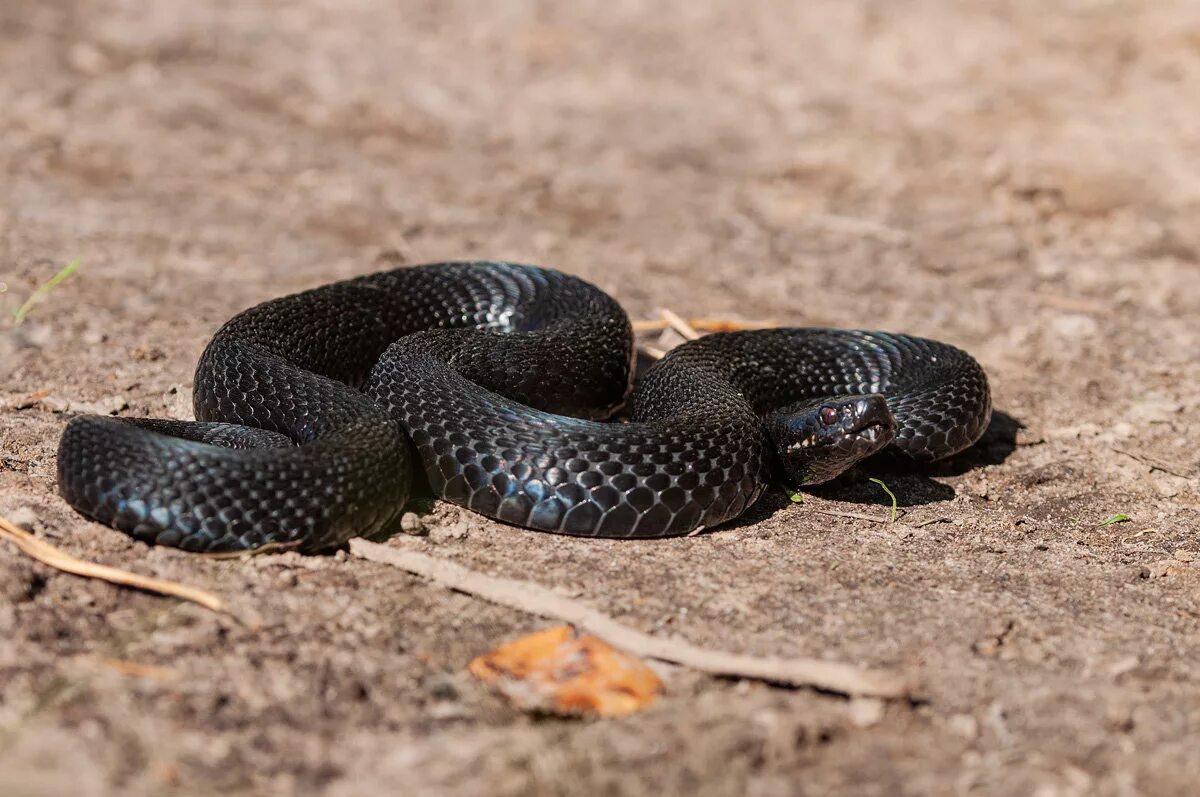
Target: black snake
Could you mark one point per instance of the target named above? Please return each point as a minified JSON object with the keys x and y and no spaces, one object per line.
{"x":316,"y":409}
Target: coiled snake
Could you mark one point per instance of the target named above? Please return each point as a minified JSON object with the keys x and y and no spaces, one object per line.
{"x":316,"y":409}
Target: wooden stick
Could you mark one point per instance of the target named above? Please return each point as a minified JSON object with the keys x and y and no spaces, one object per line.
{"x":653,"y":352}
{"x":678,"y":324}
{"x":535,"y":599}
{"x":857,"y":516}
{"x":47,"y":554}
{"x":1154,"y":464}
{"x":703,"y":324}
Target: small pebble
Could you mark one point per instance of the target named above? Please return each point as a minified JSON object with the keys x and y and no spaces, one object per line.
{"x":1158,"y":569}
{"x":1123,"y":430}
{"x":410,"y":523}
{"x":441,"y":686}
{"x":1185,"y":556}
{"x":23,"y":517}
{"x":1075,"y":326}
{"x":963,"y":725}
{"x":287,"y":579}
{"x":455,"y":531}
{"x":865,"y":711}
{"x":178,"y":403}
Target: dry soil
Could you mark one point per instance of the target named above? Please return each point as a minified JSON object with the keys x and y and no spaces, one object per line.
{"x":1018,"y":177}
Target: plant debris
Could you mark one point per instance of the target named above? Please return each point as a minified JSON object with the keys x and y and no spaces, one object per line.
{"x":47,"y":554}
{"x":560,"y":671}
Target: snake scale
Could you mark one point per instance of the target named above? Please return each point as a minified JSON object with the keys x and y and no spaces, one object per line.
{"x":319,"y":413}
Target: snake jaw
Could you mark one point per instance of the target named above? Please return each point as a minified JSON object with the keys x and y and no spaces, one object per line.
{"x":818,"y":441}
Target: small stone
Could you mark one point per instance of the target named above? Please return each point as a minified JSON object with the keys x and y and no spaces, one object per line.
{"x":287,"y":579}
{"x":23,"y":517}
{"x":146,"y":353}
{"x":1158,"y":569}
{"x":455,"y":531}
{"x":1185,"y":556}
{"x":980,"y":488}
{"x":1122,"y":430}
{"x":986,"y":647}
{"x":1075,"y":326}
{"x":112,"y":405}
{"x":865,"y":711}
{"x":410,"y":523}
{"x":963,"y":725}
{"x":441,"y":686}
{"x":178,"y":403}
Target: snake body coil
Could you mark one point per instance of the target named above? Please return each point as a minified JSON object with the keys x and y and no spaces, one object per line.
{"x":315,"y":410}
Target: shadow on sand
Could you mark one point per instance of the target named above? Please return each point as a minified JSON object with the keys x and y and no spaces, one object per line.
{"x":912,"y":484}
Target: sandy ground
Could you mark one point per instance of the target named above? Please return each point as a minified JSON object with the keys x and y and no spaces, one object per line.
{"x":1020,"y":178}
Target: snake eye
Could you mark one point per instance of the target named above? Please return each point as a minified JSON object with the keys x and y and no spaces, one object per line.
{"x":829,"y":416}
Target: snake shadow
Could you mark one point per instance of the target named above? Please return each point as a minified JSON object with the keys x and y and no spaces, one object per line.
{"x":912,"y":483}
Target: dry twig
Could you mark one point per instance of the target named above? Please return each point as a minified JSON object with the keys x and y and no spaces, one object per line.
{"x":133,"y":669}
{"x":1128,"y":538}
{"x":858,"y":516}
{"x":1154,"y":464}
{"x":676,"y":323}
{"x":47,"y":554}
{"x":703,"y":324}
{"x":688,"y":328}
{"x":536,"y":599}
{"x":1074,"y":304}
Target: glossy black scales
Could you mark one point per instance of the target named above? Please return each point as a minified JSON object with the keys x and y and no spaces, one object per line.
{"x":496,"y":375}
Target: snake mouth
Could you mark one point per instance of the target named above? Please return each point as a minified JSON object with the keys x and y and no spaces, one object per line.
{"x":872,"y":418}
{"x":870,"y":438}
{"x":875,"y":432}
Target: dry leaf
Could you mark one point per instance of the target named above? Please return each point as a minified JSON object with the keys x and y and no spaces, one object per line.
{"x":563,"y":672}
{"x":525,"y":596}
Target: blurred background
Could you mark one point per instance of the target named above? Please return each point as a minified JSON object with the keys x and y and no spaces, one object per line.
{"x":1018,"y":177}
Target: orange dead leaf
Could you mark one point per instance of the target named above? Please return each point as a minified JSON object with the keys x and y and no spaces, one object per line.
{"x":564,"y":672}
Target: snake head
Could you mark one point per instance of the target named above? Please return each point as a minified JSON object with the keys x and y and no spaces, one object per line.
{"x":819,"y":440}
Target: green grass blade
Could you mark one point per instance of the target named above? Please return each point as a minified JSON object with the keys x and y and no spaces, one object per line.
{"x":890,"y":495}
{"x":44,"y":289}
